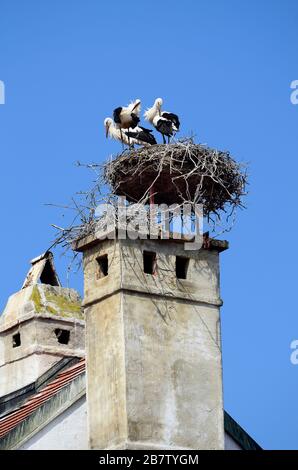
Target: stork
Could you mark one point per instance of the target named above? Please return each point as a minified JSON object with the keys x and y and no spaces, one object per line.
{"x":141,"y":134}
{"x":138,"y":135}
{"x":127,"y":116}
{"x":164,"y":122}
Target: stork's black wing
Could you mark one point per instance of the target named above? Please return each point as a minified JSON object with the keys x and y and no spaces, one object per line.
{"x":143,"y":135}
{"x":165,"y":127}
{"x":172,"y":117}
{"x":116,"y":115}
{"x":145,"y":129}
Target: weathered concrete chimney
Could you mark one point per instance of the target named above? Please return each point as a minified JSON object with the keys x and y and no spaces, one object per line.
{"x":154,"y":366}
{"x":41,"y":323}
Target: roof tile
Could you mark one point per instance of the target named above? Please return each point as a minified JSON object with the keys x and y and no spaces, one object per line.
{"x":7,"y":423}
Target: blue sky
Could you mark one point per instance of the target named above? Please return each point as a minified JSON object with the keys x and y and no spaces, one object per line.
{"x":225,"y":67}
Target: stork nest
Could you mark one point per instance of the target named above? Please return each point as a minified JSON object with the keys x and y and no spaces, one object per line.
{"x":183,"y":172}
{"x":178,"y":173}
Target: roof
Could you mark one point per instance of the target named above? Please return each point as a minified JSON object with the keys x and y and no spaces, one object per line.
{"x":25,"y":409}
{"x":239,"y":435}
{"x":15,"y":399}
{"x":12,"y":420}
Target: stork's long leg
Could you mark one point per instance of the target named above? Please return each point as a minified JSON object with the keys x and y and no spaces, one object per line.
{"x":164,"y":139}
{"x":121,"y":136}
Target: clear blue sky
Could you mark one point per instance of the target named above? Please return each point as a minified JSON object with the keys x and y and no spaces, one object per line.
{"x":225,"y":67}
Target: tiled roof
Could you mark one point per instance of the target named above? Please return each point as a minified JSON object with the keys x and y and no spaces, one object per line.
{"x":13,"y":419}
{"x":9,"y":422}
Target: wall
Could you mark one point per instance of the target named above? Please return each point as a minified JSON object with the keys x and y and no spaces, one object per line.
{"x":153,"y":349}
{"x":173,"y":373}
{"x":24,"y":371}
{"x":38,"y":351}
{"x":69,"y":431}
{"x":230,"y":444}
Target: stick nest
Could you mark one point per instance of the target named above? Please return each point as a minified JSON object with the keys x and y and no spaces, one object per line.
{"x":183,"y":172}
{"x":178,"y":173}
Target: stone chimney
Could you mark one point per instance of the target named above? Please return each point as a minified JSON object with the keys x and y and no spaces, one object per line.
{"x":154,"y":366}
{"x":41,"y":323}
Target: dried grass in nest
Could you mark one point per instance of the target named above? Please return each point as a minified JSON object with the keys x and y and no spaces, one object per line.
{"x":183,"y":172}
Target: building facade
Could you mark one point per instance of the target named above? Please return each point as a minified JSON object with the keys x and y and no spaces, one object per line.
{"x":153,"y":353}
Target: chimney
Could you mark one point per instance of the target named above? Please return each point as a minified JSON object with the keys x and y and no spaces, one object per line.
{"x":154,"y":365}
{"x":41,"y":324}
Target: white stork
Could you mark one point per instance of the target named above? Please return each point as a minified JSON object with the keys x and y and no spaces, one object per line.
{"x":164,"y":122}
{"x":138,"y":135}
{"x":127,"y":116}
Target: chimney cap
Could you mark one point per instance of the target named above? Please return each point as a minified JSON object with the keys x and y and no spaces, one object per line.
{"x":42,"y":270}
{"x":211,"y":244}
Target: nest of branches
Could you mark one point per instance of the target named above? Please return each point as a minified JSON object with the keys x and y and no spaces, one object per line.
{"x":179,"y":173}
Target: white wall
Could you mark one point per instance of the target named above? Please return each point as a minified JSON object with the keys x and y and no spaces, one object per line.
{"x":230,"y":444}
{"x":66,"y":432}
{"x":69,"y":432}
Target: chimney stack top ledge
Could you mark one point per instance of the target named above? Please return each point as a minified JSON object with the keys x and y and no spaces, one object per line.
{"x":83,"y":244}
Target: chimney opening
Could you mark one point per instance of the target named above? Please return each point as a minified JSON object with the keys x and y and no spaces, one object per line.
{"x":103,"y":266}
{"x":16,"y":340}
{"x":149,"y":260}
{"x":181,"y":267}
{"x":62,"y":335}
{"x":48,"y":276}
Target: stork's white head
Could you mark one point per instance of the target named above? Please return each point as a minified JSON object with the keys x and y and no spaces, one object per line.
{"x":158,"y":103}
{"x":155,"y":110}
{"x":108,"y":123}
